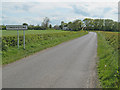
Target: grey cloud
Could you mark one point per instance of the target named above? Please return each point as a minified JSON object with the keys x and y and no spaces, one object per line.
{"x":80,"y":11}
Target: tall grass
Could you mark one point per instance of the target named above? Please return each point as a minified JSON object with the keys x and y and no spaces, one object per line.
{"x":108,"y":60}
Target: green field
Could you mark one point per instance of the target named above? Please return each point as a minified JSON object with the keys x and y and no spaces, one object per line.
{"x":35,"y":42}
{"x":14,"y":32}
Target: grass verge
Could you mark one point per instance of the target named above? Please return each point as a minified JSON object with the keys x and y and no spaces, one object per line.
{"x":108,"y":63}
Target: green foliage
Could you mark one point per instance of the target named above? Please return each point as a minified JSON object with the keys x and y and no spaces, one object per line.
{"x":3,"y":46}
{"x":45,"y":23}
{"x":100,"y":24}
{"x":56,"y":27}
{"x":2,"y":27}
{"x":89,"y":23}
{"x":25,"y":24}
{"x":109,"y":25}
{"x":39,"y":27}
{"x":31,"y":27}
{"x":108,"y":59}
{"x":75,"y":25}
{"x":62,"y":24}
{"x":50,"y":26}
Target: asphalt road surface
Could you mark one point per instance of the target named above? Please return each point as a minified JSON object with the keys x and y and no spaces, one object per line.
{"x":68,"y":65}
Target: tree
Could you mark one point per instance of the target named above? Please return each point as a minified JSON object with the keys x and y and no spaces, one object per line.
{"x":89,"y":23}
{"x":115,"y":26}
{"x":62,"y":24}
{"x":118,"y":26}
{"x":25,"y":24}
{"x":3,"y":27}
{"x":70,"y":25}
{"x":31,"y":27}
{"x":56,"y":27}
{"x":109,"y":24}
{"x":45,"y":22}
{"x":76,"y":25}
{"x":50,"y":26}
{"x":98,"y":24}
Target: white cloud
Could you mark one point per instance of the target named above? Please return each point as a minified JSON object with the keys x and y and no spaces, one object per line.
{"x":29,"y":20}
{"x":60,"y":0}
{"x":33,"y":13}
{"x":99,"y":10}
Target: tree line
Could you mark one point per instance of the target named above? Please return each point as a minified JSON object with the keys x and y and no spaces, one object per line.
{"x":77,"y":25}
{"x":91,"y":24}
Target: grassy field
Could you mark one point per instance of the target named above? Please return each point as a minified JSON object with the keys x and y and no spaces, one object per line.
{"x":108,"y":48}
{"x":14,"y":32}
{"x":34,"y":43}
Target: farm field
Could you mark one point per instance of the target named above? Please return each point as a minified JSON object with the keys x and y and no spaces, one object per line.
{"x":108,"y":53}
{"x":14,"y":32}
{"x":34,"y":43}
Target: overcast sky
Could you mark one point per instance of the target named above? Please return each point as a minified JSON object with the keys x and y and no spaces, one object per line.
{"x":33,"y":11}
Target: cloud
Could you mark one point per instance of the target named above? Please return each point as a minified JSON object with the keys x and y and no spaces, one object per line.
{"x":97,"y":10}
{"x":80,"y":10}
{"x":34,"y":12}
{"x":60,"y":0}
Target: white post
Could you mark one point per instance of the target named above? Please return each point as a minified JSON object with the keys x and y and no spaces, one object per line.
{"x":24,"y":38}
{"x":18,"y":38}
